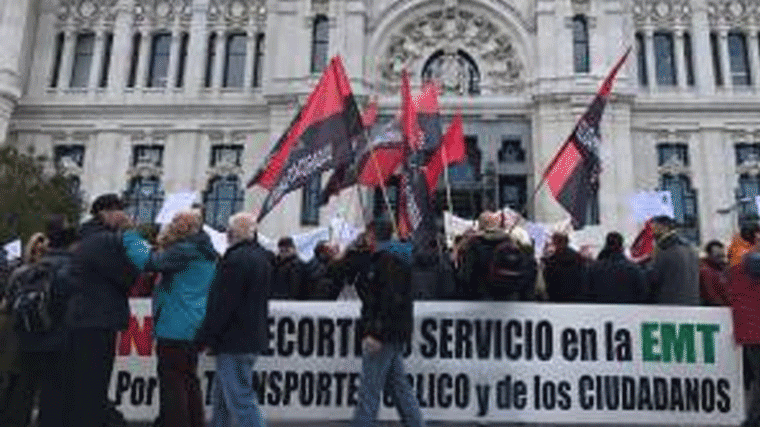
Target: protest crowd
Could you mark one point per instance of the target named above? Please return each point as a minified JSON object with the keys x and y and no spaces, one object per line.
{"x":64,"y":303}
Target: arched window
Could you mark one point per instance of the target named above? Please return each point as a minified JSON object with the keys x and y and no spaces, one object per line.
{"x":580,"y":44}
{"x":223,"y":198}
{"x":144,"y":199}
{"x":456,"y":72}
{"x":320,"y":40}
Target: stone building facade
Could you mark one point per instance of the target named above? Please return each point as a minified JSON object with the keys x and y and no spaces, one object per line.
{"x":148,"y":97}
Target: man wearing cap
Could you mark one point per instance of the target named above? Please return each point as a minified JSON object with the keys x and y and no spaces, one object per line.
{"x":674,"y":273}
{"x":102,"y":274}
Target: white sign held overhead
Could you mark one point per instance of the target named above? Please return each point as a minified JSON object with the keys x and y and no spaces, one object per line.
{"x":218,"y":239}
{"x":757,"y":202}
{"x":173,"y":203}
{"x":649,"y":204}
{"x":13,"y":250}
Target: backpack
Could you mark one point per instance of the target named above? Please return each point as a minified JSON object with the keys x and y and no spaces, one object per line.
{"x":30,"y":290}
{"x":508,"y":267}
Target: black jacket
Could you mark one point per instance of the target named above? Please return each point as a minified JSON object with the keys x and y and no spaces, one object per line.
{"x":674,"y":274}
{"x":101,"y":275}
{"x":565,"y":274}
{"x":61,"y":289}
{"x":388,"y":310}
{"x":616,"y":280}
{"x":319,"y":283}
{"x":289,"y":274}
{"x":237,"y":310}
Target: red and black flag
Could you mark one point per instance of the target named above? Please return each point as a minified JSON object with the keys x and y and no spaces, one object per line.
{"x":429,"y":117}
{"x":323,"y":135}
{"x":451,"y":150}
{"x":573,"y":174}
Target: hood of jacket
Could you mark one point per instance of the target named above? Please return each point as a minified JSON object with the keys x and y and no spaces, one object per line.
{"x":669,"y":240}
{"x":91,"y":227}
{"x":752,"y":261}
{"x":198,"y":246}
{"x":402,"y":251}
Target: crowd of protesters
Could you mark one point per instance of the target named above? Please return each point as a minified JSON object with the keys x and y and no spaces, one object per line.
{"x":203,"y":299}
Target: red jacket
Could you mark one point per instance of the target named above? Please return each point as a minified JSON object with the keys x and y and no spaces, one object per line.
{"x":745,"y":295}
{"x":713,"y":284}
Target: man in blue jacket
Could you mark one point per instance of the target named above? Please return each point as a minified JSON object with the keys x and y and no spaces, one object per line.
{"x":387,"y":320}
{"x":236,"y":323}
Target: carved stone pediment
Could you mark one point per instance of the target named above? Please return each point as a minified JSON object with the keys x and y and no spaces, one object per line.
{"x":733,"y":12}
{"x":452,"y":30}
{"x":87,"y":13}
{"x":163,"y":13}
{"x":237,"y":13}
{"x":662,"y":13}
{"x":674,"y":166}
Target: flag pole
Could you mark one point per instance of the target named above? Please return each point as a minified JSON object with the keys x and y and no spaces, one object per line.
{"x":446,"y":178}
{"x":391,"y":213}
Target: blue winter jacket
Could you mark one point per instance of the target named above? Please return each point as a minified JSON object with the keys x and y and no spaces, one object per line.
{"x":188,"y":268}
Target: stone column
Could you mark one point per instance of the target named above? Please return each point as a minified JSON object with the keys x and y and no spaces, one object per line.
{"x":67,"y":60}
{"x":44,"y":53}
{"x":680,"y":54}
{"x":754,"y":58}
{"x":250,"y":57}
{"x":13,"y":23}
{"x":195,"y":73}
{"x":704,"y":72}
{"x":221,"y":38}
{"x":651,"y":66}
{"x":121,"y":62}
{"x":171,"y":79}
{"x":143,"y":60}
{"x":725,"y":61}
{"x":96,"y":68}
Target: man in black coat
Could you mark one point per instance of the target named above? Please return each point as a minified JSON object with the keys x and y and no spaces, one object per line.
{"x":102,"y":274}
{"x":235,"y":326}
{"x":564,"y":272}
{"x":289,"y":272}
{"x":614,"y":279}
{"x":387,"y":321}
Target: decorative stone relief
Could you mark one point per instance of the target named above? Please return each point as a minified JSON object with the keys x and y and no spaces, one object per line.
{"x":450,"y":30}
{"x":662,"y":13}
{"x":163,"y":13}
{"x":237,"y":13}
{"x":87,"y":13}
{"x":734,"y":12}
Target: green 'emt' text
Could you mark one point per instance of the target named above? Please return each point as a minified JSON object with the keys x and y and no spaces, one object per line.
{"x":671,"y":342}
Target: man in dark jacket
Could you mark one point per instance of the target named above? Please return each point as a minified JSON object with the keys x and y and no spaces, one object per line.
{"x":288,"y":272}
{"x":236,"y":323}
{"x":102,"y":274}
{"x":614,"y":279}
{"x":713,"y":276}
{"x":387,"y":321}
{"x":674,"y":273}
{"x":564,"y":272}
{"x":320,"y":284}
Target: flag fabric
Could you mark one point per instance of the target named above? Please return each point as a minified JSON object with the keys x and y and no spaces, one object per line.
{"x":428,"y":118}
{"x":451,"y":150}
{"x":330,"y":104}
{"x":369,"y":116}
{"x":573,"y":174}
{"x":409,"y":125}
{"x":325,"y":134}
{"x":643,"y":245}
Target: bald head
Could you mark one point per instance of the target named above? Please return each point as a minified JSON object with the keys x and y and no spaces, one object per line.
{"x":242,"y":226}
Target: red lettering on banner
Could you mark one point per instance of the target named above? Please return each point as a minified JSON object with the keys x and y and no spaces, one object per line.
{"x":139,"y":338}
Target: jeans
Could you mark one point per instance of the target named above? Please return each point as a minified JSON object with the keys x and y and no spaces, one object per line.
{"x":179,"y":386}
{"x":752,"y":357}
{"x":380,"y":371}
{"x":233,"y":392}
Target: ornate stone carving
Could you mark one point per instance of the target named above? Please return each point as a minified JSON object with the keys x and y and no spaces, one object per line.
{"x":450,"y":31}
{"x":662,"y":13}
{"x":734,"y":12}
{"x":87,"y":13}
{"x":163,"y":13}
{"x":237,"y":13}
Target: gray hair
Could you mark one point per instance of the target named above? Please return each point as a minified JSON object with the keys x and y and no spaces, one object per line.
{"x":242,"y":226}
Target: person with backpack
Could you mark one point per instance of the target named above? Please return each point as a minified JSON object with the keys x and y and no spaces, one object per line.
{"x":387,"y":323}
{"x":38,"y":294}
{"x":496,"y":266}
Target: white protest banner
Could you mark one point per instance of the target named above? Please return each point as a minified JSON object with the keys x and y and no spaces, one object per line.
{"x":13,"y":250}
{"x":306,"y":242}
{"x":757,"y":202}
{"x":484,"y":362}
{"x":649,"y":204}
{"x":173,"y":203}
